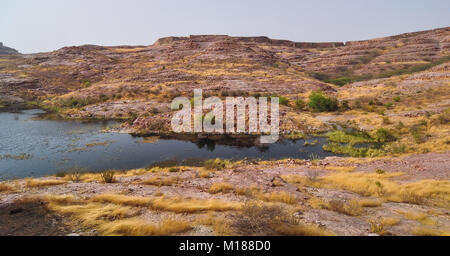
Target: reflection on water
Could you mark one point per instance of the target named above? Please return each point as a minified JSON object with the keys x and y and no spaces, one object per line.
{"x":36,"y":148}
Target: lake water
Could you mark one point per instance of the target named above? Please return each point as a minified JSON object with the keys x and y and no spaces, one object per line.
{"x":36,"y":148}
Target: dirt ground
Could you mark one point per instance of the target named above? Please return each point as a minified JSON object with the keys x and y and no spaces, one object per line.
{"x":18,"y":218}
{"x":30,"y":219}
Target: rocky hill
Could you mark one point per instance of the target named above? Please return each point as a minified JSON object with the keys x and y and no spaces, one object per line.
{"x":138,"y":82}
{"x":6,"y":50}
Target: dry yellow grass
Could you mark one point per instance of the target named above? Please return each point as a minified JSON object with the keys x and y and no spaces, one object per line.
{"x":180,"y":205}
{"x":205,"y":174}
{"x":59,"y":199}
{"x":161,"y":181}
{"x":5,"y":187}
{"x":282,"y":197}
{"x":249,"y":191}
{"x":268,"y":219}
{"x":221,"y":187}
{"x":351,"y":208}
{"x":123,"y":200}
{"x":370,"y":202}
{"x":112,"y":219}
{"x":318,"y":203}
{"x":174,"y":204}
{"x":302,"y":230}
{"x":135,"y":172}
{"x":376,"y":227}
{"x":341,"y":168}
{"x":380,"y":185}
{"x":426,"y":231}
{"x":390,"y":221}
{"x":137,"y":227}
{"x":220,"y":225}
{"x":301,"y":180}
{"x":421,"y":217}
{"x":33,"y":183}
{"x":91,"y":214}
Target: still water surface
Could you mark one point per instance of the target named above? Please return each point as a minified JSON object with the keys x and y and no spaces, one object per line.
{"x":35,"y":148}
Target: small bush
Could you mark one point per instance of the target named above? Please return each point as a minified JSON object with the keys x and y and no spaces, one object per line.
{"x":397,"y":99}
{"x":283,"y":100}
{"x":75,"y":173}
{"x":379,"y":171}
{"x":352,"y":151}
{"x":73,"y":102}
{"x":410,"y":197}
{"x":383,"y":135}
{"x":352,"y":208}
{"x":86,"y":84}
{"x":397,"y":148}
{"x":353,"y":137}
{"x":444,"y":118}
{"x":345,"y":105}
{"x":376,"y":228}
{"x":174,"y":169}
{"x":217,"y":164}
{"x":108,"y":177}
{"x":300,"y":104}
{"x":418,"y":135}
{"x":320,"y":103}
{"x":257,"y":218}
{"x":5,"y":187}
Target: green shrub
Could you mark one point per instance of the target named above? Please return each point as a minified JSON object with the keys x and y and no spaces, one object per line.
{"x":283,"y":100}
{"x":418,"y":135}
{"x":321,"y":76}
{"x":379,"y":171}
{"x":345,"y":105}
{"x":397,"y":148}
{"x":86,"y":84}
{"x":444,"y":118}
{"x":397,"y":99}
{"x":349,"y":137}
{"x":383,"y":135}
{"x":320,"y":103}
{"x":108,"y":177}
{"x":73,"y":102}
{"x":174,"y":169}
{"x":340,"y":81}
{"x":337,"y":148}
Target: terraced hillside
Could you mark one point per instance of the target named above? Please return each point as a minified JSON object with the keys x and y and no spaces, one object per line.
{"x":137,"y":83}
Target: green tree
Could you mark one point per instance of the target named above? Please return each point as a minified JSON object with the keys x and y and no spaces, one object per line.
{"x":320,"y":103}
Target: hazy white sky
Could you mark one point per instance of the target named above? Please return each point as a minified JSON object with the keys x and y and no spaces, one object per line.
{"x":46,"y":25}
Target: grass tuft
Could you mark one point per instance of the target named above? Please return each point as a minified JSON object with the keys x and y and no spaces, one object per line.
{"x":136,"y":227}
{"x":221,"y":187}
{"x":36,"y":183}
{"x":162,"y":181}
